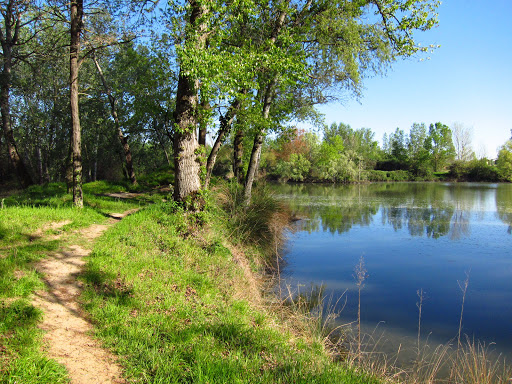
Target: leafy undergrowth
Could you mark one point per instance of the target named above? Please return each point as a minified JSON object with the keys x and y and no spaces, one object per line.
{"x":32,"y":225}
{"x":162,"y":292}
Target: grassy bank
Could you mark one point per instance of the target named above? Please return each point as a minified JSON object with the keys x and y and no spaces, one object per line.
{"x":179,"y":304}
{"x":171,"y":293}
{"x":178,"y":297}
{"x":32,"y":225}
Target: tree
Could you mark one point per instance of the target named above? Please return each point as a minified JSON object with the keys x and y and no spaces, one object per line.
{"x":17,"y":16}
{"x":504,"y":161}
{"x":360,"y":144}
{"x":331,"y":45}
{"x":186,"y":156}
{"x":226,"y":122}
{"x":208,"y":66}
{"x":418,"y":154}
{"x":462,"y":137}
{"x":397,"y":143}
{"x":76,"y":18}
{"x":113,"y":110}
{"x":440,"y":146}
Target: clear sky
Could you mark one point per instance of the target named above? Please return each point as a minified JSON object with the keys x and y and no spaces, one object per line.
{"x":467,"y":80}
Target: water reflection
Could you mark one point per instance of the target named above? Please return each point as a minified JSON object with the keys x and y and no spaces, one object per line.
{"x":433,"y":210}
{"x":413,"y":236}
{"x":503,"y":206}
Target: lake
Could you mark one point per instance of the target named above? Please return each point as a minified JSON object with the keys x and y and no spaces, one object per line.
{"x":412,"y":236}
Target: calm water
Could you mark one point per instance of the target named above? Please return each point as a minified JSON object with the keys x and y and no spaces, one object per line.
{"x":412,"y":236}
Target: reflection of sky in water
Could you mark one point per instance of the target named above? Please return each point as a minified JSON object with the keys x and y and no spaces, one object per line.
{"x":410,"y":238}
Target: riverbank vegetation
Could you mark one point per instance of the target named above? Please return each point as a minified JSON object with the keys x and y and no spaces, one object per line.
{"x":185,"y":296}
{"x":176,"y":295}
{"x":341,"y":154}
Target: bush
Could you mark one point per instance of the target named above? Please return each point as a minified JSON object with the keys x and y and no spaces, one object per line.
{"x":373,"y":175}
{"x":504,"y":162}
{"x":475,"y":170}
{"x":458,"y":170}
{"x":261,"y":222}
{"x":296,"y":168}
{"x":482,"y":170}
{"x":400,"y":175}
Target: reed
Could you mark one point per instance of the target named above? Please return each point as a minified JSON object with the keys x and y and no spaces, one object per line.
{"x":360,"y":275}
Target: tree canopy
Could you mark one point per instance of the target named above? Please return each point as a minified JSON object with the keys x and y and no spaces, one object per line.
{"x":152,"y":78}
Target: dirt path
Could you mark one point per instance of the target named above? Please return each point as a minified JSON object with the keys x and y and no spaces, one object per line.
{"x":67,"y":335}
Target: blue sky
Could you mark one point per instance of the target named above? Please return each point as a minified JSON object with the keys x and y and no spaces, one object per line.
{"x":467,"y":80}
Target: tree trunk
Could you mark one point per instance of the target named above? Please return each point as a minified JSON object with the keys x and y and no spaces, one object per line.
{"x":113,"y":111}
{"x":160,"y":137}
{"x":69,"y":169}
{"x":95,"y":162}
{"x":39,"y":158}
{"x":76,"y":13}
{"x":2,"y":162}
{"x":8,"y":39}
{"x":186,"y":155}
{"x":238,"y":149}
{"x":187,"y":161}
{"x":267,"y":102}
{"x":254,"y":162}
{"x":225,"y":127}
{"x":253,"y":166}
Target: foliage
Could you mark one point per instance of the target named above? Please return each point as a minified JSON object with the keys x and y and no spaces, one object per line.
{"x":440,"y":146}
{"x":504,"y":162}
{"x":399,"y":175}
{"x":474,"y":170}
{"x":295,"y":169}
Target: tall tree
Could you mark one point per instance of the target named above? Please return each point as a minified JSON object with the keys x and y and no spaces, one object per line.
{"x":113,"y":110}
{"x":209,"y":65}
{"x":439,"y":143}
{"x":329,"y":46}
{"x":226,"y":122}
{"x":16,"y":16}
{"x":462,"y":137}
{"x":186,"y":156}
{"x":76,"y":18}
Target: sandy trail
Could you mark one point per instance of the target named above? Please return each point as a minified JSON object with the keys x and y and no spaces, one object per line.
{"x":68,"y":332}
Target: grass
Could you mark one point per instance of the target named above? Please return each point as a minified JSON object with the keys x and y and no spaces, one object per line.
{"x":173,"y":296}
{"x":170,"y":300}
{"x":34,"y":223}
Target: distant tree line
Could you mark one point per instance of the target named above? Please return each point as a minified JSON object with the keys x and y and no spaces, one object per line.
{"x":343,"y":154}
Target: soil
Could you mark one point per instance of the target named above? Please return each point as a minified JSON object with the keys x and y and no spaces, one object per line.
{"x":67,"y":331}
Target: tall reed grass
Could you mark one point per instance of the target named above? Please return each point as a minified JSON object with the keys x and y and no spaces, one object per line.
{"x":461,"y":360}
{"x":261,"y":223}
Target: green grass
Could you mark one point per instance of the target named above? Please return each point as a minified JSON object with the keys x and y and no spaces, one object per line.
{"x":163,"y":292}
{"x":162,"y":296}
{"x":26,"y":236}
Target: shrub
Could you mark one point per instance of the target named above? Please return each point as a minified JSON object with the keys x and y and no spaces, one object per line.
{"x":296,"y":168}
{"x":475,"y":170}
{"x":400,"y":175}
{"x":374,"y":175}
{"x":261,"y":222}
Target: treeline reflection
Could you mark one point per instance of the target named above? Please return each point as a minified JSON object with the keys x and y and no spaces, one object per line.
{"x":424,"y":209}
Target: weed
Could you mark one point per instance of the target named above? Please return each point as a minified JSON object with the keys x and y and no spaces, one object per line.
{"x":262,"y":223}
{"x":360,"y":275}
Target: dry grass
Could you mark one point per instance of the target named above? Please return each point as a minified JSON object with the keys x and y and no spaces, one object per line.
{"x":311,"y":313}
